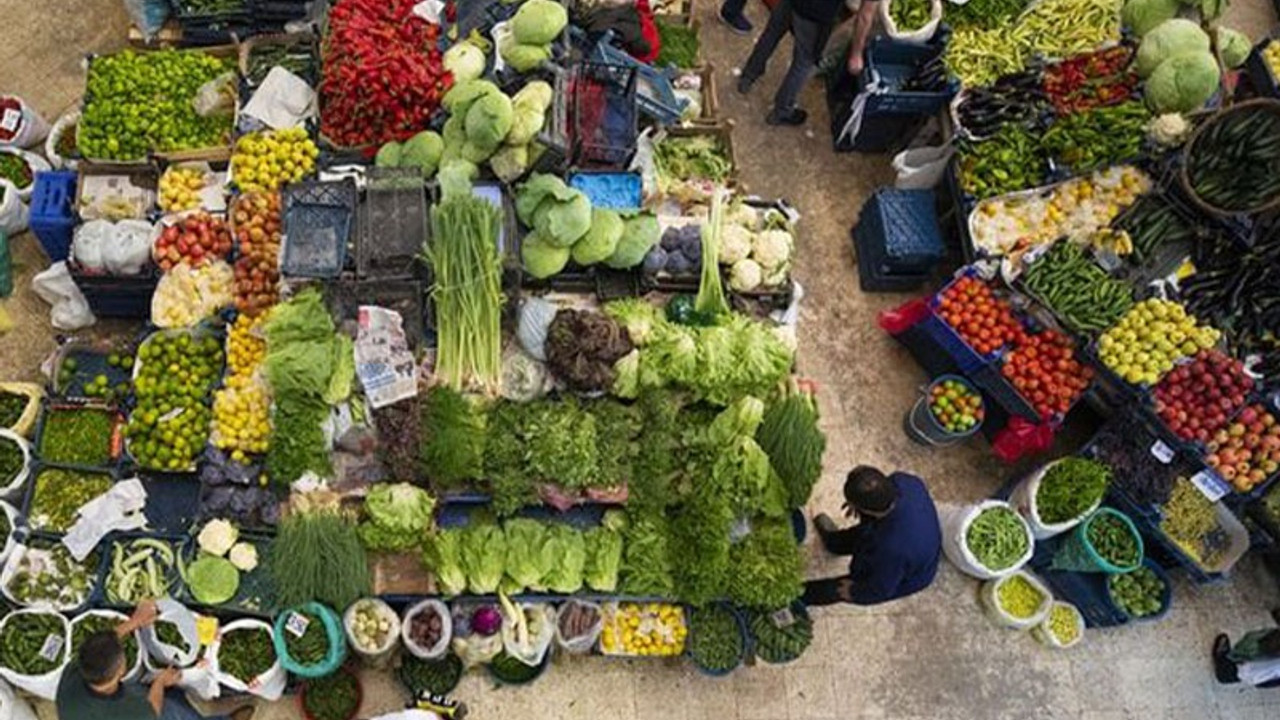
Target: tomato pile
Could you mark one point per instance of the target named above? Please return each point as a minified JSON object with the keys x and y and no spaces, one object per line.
{"x":257,"y":270}
{"x":956,"y":406}
{"x":1044,"y":370}
{"x":981,"y":319}
{"x":1097,"y":79}
{"x":1197,"y":399}
{"x":195,"y":239}
{"x":1248,"y":451}
{"x":383,"y":75}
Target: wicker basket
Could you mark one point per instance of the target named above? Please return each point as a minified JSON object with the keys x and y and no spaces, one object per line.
{"x":1184,"y":174}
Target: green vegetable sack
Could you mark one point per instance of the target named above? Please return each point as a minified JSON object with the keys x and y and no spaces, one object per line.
{"x":639,"y":234}
{"x":540,"y":258}
{"x":539,"y":22}
{"x":601,"y":240}
{"x":1142,"y":16}
{"x":1172,"y":37}
{"x":1183,"y":83}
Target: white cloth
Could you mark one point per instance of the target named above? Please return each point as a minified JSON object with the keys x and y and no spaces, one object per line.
{"x":1256,"y":672}
{"x":283,"y":100}
{"x":120,"y":508}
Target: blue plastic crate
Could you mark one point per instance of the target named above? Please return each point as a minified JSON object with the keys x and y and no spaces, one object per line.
{"x":892,"y":64}
{"x":1088,"y":592}
{"x":902,"y":225}
{"x":318,"y":217}
{"x":53,"y":213}
{"x":1166,"y":598}
{"x":611,"y":190}
{"x":879,"y":133}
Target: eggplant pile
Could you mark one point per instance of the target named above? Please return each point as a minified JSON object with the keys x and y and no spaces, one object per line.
{"x":1018,"y":98}
{"x":1239,"y":292}
{"x":930,"y":76}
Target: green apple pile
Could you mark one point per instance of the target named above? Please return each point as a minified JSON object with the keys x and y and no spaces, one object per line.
{"x":1150,"y":338}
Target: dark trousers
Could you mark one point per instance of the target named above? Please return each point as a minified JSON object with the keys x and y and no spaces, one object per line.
{"x":733,"y":8}
{"x":808,"y":39}
{"x":823,"y":591}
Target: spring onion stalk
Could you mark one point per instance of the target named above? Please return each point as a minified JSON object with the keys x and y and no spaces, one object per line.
{"x":463,"y":254}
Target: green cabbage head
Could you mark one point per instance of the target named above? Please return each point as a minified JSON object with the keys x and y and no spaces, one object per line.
{"x":465,"y":61}
{"x":1183,"y":83}
{"x":1143,"y":16}
{"x":539,"y":22}
{"x":540,"y":258}
{"x":640,"y":233}
{"x":1172,"y":37}
{"x":601,"y":240}
{"x":488,"y":122}
{"x":423,"y":151}
{"x":1234,"y":46}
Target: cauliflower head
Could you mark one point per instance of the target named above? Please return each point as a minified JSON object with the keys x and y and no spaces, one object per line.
{"x":735,"y":244}
{"x":772,"y":249}
{"x":745,"y":275}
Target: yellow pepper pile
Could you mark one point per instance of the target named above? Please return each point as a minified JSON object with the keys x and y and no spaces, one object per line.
{"x":648,"y":629}
{"x":268,"y":159}
{"x":1019,"y":597}
{"x":242,"y":409}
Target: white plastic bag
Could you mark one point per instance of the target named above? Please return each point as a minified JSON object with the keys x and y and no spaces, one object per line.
{"x":379,"y":656}
{"x":13,"y":490}
{"x":136,"y":669}
{"x":1044,"y":632}
{"x":921,"y":168}
{"x":130,"y":249}
{"x":13,"y":212}
{"x":955,"y":526}
{"x":268,"y":686}
{"x":66,"y":123}
{"x":55,"y":286}
{"x":1023,"y":499}
{"x":21,"y":126}
{"x":12,"y":514}
{"x":446,"y":620}
{"x":990,"y":596}
{"x":919,"y":35}
{"x":583,"y":643}
{"x":216,"y":97}
{"x":40,"y":560}
{"x":196,"y":678}
{"x":535,"y":318}
{"x":529,"y":648}
{"x":35,"y":162}
{"x":43,"y":686}
{"x":472,"y":648}
{"x":89,"y":242}
{"x":13,"y":707}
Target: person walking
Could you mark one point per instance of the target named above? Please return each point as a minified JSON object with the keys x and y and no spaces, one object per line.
{"x":894,"y":548}
{"x":810,"y":23}
{"x":93,"y":688}
{"x":1253,"y":660}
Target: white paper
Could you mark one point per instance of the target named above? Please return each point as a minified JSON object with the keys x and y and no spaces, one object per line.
{"x":429,"y":10}
{"x":1162,"y":452}
{"x":283,"y":100}
{"x":384,"y":362}
{"x":296,"y":624}
{"x":1209,"y":485}
{"x":120,"y":508}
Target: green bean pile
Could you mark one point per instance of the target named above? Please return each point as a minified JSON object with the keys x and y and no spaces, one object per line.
{"x":998,"y":538}
{"x":246,"y":653}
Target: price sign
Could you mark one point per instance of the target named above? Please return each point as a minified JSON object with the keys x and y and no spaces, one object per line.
{"x":1163,"y":452}
{"x":296,"y":624}
{"x":51,"y":650}
{"x":10,"y":120}
{"x":783,"y":618}
{"x":1209,"y":485}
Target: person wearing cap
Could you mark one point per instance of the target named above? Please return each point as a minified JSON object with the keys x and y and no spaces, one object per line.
{"x":895,"y":547}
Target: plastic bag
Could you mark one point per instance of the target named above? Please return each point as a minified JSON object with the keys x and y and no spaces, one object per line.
{"x":33,"y":161}
{"x":13,"y":212}
{"x":380,"y":656}
{"x":89,"y":242}
{"x":541,"y":621}
{"x":216,"y":97}
{"x":55,"y":286}
{"x":268,"y":686}
{"x":14,"y":489}
{"x":990,"y":596}
{"x":446,"y":620}
{"x":26,"y":423}
{"x":898,"y":320}
{"x":43,"y":686}
{"x":147,"y":15}
{"x":286,"y":624}
{"x":583,"y":643}
{"x":472,"y":648}
{"x":921,"y":34}
{"x":1021,"y":437}
{"x":1044,"y":631}
{"x":536,"y":315}
{"x":13,"y":707}
{"x":1023,"y":499}
{"x":66,"y":123}
{"x":20,"y":124}
{"x":921,"y":168}
{"x":136,"y":669}
{"x":955,"y":522}
{"x":130,"y":250}
{"x":196,"y":677}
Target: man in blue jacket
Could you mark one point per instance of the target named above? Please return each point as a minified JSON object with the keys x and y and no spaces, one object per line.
{"x":895,"y":547}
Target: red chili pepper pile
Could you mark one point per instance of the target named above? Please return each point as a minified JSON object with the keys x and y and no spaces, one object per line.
{"x":1045,"y":372}
{"x":383,"y":75}
{"x":1095,"y":79}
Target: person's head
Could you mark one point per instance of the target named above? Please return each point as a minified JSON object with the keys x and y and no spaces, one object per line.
{"x":102,"y":659}
{"x":867,"y":491}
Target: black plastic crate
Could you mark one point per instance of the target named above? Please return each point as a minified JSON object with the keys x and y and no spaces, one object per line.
{"x":604,"y":128}
{"x":190,"y":11}
{"x":871,"y":280}
{"x":405,"y":296}
{"x":893,"y":64}
{"x":318,"y":218}
{"x":117,"y":296}
{"x":901,"y":231}
{"x":393,"y":223}
{"x":1264,"y":83}
{"x":173,"y":501}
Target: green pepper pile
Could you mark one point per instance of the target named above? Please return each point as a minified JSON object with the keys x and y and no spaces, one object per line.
{"x":12,"y":405}
{"x":246,"y":653}
{"x":910,"y":14}
{"x":438,"y":677}
{"x":87,"y":625}
{"x":1139,"y":593}
{"x":47,"y":572}
{"x":11,"y":460}
{"x":16,"y":170}
{"x":23,"y":638}
{"x":1077,"y":290}
{"x":1114,"y":540}
{"x":715,"y":640}
{"x":142,"y":102}
{"x":778,"y":641}
{"x":311,"y":647}
{"x":59,"y":495}
{"x":77,"y":436}
{"x":1010,"y":160}
{"x":1099,"y":137}
{"x":336,"y":697}
{"x":169,"y":634}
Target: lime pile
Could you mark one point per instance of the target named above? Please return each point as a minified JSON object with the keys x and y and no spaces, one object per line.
{"x":170,"y":425}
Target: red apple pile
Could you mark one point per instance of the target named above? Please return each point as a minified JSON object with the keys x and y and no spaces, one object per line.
{"x":1197,"y":399}
{"x":257,"y":271}
{"x":1046,"y":373}
{"x":195,"y":239}
{"x":1248,"y":451}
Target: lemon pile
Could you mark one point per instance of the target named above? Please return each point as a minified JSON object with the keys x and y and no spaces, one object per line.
{"x":180,"y":189}
{"x":1150,"y":338}
{"x":1271,"y":56}
{"x":242,"y":408}
{"x":648,"y":629}
{"x":266,"y":160}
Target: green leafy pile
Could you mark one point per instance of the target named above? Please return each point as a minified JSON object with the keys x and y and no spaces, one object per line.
{"x":646,"y":562}
{"x":789,"y":434}
{"x":1071,"y":487}
{"x":603,"y":545}
{"x":483,"y":551}
{"x":768,"y":568}
{"x":399,"y":517}
{"x":317,"y":556}
{"x":453,"y":437}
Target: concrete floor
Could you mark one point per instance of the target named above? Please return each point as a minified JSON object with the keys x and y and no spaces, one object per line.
{"x":931,"y":656}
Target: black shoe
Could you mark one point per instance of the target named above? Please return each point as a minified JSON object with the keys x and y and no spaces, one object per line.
{"x":737,"y":23}
{"x":1223,"y":669}
{"x":745,"y":84}
{"x":795,"y":117}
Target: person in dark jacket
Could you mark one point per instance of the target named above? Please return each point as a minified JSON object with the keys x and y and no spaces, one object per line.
{"x":1254,"y":659}
{"x":895,"y":547}
{"x":810,"y":23}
